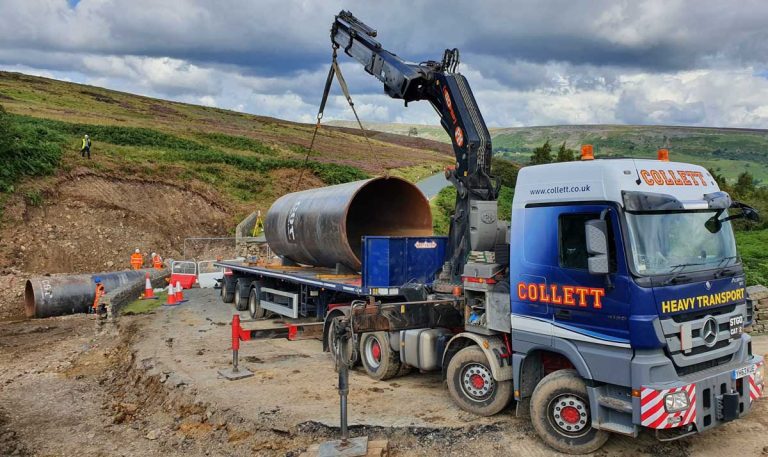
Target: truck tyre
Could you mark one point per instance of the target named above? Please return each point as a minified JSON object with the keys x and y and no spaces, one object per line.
{"x":242,"y":290}
{"x":471,"y":383}
{"x":560,"y":414}
{"x":227,"y":290}
{"x":254,"y":303}
{"x":379,"y":360}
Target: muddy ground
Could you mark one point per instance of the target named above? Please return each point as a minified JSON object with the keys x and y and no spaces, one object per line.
{"x":148,"y":385}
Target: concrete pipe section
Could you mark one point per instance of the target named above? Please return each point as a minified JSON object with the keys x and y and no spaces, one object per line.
{"x":325,"y":226}
{"x":47,"y":296}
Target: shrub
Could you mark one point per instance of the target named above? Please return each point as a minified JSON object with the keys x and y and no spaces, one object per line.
{"x":26,"y":149}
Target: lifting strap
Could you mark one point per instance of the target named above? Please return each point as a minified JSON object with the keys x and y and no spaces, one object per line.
{"x":335,"y":70}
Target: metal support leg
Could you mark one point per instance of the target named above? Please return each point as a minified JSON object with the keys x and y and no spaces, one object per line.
{"x":235,"y":372}
{"x":345,"y":447}
{"x":343,"y":392}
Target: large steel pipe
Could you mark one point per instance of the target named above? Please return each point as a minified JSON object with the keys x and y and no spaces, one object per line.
{"x":47,"y":296}
{"x":325,"y":226}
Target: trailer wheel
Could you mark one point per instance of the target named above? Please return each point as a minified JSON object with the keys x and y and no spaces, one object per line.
{"x":560,"y":414}
{"x":379,"y":360}
{"x":471,"y":383}
{"x":227,"y":290}
{"x":254,"y":303}
{"x":241,"y":294}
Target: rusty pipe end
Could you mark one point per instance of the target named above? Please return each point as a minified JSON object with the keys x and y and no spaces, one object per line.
{"x":30,"y":297}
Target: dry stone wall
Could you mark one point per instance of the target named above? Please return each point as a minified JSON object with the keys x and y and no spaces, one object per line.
{"x":757,"y":306}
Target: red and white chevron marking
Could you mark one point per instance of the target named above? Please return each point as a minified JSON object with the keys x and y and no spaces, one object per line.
{"x":755,"y":389}
{"x":653,"y":414}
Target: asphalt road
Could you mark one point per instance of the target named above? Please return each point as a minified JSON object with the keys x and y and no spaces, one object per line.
{"x":432,"y":185}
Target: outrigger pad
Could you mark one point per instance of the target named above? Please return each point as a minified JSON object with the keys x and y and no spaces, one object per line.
{"x":355,"y":447}
{"x":241,"y":373}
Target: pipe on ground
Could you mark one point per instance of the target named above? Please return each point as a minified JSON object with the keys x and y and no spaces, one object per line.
{"x":325,"y":226}
{"x":47,"y":296}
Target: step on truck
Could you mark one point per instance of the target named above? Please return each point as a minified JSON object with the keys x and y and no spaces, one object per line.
{"x":612,"y":302}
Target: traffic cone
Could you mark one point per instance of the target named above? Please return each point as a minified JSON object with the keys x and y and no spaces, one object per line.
{"x":179,"y":293}
{"x":171,"y":297}
{"x":149,"y":293}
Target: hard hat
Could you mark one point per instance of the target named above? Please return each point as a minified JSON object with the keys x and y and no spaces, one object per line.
{"x":97,"y":279}
{"x":86,"y":136}
{"x":137,"y":250}
{"x":153,"y":254}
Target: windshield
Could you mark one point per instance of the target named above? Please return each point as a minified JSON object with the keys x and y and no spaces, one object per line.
{"x":672,"y":242}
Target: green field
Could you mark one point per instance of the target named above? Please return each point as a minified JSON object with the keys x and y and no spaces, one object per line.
{"x":727,"y":151}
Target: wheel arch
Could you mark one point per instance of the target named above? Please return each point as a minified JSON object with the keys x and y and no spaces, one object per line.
{"x":491,"y":346}
{"x":530,"y":367}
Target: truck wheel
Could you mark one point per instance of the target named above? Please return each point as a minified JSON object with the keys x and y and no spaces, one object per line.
{"x":241,"y":294}
{"x":379,"y":360}
{"x":227,"y":291}
{"x":254,"y":303}
{"x":560,"y":414}
{"x":471,"y":383}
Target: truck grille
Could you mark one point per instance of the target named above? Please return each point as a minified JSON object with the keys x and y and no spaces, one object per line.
{"x":702,"y":356}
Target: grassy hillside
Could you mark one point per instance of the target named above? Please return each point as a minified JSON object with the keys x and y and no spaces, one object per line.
{"x":728,"y":151}
{"x":248,"y":158}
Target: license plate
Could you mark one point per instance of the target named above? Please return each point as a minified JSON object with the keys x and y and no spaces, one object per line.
{"x":736,"y":326}
{"x":744,"y":371}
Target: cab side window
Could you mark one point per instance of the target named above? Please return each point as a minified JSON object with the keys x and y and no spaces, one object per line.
{"x":573,"y":240}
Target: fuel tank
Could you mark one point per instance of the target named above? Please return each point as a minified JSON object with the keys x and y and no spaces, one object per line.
{"x":324,"y":227}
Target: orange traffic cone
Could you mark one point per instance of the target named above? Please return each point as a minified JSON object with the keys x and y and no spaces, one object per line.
{"x":149,"y":294}
{"x":171,"y":296}
{"x":179,"y":292}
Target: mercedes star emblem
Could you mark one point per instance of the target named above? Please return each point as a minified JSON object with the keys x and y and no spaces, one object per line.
{"x":709,"y":332}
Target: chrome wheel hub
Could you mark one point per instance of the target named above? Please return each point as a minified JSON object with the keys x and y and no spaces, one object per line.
{"x":477,"y":382}
{"x":569,"y":414}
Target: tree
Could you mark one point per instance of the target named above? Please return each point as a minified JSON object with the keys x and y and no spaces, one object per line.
{"x":565,"y":154}
{"x":542,"y":154}
{"x":506,"y":171}
{"x":745,"y":184}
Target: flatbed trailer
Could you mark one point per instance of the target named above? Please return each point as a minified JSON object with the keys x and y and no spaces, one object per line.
{"x":393,"y":270}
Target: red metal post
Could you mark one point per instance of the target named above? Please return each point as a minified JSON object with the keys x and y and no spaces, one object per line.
{"x":235,"y":341}
{"x":235,"y":332}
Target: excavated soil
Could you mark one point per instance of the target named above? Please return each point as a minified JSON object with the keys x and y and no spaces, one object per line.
{"x":90,"y":222}
{"x":73,"y":386}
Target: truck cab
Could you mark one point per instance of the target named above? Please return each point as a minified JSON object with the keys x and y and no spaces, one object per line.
{"x":627,"y":294}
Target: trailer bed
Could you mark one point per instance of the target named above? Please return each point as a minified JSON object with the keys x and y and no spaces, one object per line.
{"x":311,"y":276}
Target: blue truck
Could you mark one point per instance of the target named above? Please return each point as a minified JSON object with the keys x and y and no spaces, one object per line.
{"x":612,"y":302}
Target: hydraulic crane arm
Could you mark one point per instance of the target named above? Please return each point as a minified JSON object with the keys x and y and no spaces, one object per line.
{"x":449,"y":93}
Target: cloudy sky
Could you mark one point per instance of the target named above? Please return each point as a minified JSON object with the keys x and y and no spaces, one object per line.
{"x":529,"y":62}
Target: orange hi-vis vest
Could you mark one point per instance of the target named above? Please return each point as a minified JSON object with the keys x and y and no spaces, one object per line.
{"x":99,"y":293}
{"x":157,"y":262}
{"x":137,"y":261}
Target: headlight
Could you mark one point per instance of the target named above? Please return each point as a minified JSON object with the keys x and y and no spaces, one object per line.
{"x":675,"y":402}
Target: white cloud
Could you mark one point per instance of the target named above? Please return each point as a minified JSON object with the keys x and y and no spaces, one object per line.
{"x":643,"y":62}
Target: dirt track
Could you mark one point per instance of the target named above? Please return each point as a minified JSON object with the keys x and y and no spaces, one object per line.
{"x":148,"y":386}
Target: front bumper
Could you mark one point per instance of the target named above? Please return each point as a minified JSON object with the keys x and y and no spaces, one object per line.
{"x":714,"y":397}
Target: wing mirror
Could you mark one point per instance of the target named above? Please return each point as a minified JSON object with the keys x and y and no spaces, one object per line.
{"x":596,"y":231}
{"x":714,"y":223}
